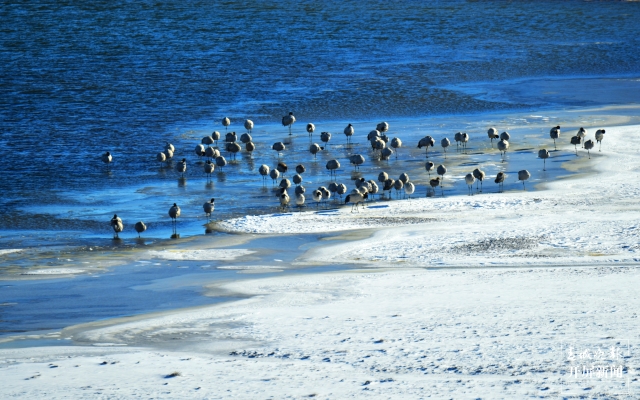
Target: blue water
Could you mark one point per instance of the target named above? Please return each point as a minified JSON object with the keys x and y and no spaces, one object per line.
{"x":79,"y":79}
{"x":47,"y":305}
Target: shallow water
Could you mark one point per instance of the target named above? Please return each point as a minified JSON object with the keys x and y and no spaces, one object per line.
{"x":239,"y":189}
{"x":39,"y":307}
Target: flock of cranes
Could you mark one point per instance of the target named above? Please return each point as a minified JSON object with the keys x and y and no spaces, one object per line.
{"x":382,"y":148}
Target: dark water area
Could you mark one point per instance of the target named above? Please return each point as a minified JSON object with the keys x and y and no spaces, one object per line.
{"x":78,"y":79}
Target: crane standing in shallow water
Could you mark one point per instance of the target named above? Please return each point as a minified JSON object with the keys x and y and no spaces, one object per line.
{"x":174,"y":213}
{"x":116,"y":224}
{"x":500,"y":181}
{"x":288,"y":120}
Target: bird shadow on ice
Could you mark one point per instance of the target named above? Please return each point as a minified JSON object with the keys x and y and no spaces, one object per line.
{"x":327,"y":211}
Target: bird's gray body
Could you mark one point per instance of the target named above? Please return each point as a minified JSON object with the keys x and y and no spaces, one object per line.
{"x":325,"y":137}
{"x":357,"y":160}
{"x":106,"y":158}
{"x":588,"y":145}
{"x":311,"y":128}
{"x":314,"y":149}
{"x":355,"y":199}
{"x":208,"y":207}
{"x":544,"y":154}
{"x":382,"y":127}
{"x":274,"y":174}
{"x":409,"y":188}
{"x":181,"y":166}
{"x":278,"y":146}
{"x":231,"y":137}
{"x":469,"y":179}
{"x":285,"y":183}
{"x":523,"y":175}
{"x":210,"y":152}
{"x":245,"y":138}
{"x":429,"y":166}
{"x":349,"y":131}
{"x":209,"y":167}
{"x":140,"y":227}
{"x":221,"y":161}
{"x":500,"y":180}
{"x":117,"y":225}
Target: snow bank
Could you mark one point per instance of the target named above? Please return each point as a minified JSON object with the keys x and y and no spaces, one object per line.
{"x":589,"y":219}
{"x":490,"y":333}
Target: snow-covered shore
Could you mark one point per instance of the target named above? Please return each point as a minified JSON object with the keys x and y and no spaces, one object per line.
{"x":589,"y":219}
{"x":482,"y":320}
{"x":449,"y":333}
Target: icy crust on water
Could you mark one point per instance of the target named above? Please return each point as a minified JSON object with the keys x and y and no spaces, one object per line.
{"x":249,"y":267}
{"x":9,"y":251}
{"x":54,"y":271}
{"x":199,"y":255}
{"x":395,"y":334}
{"x":591,"y":218}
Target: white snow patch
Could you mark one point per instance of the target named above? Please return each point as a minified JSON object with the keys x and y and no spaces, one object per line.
{"x":54,"y":271}
{"x":9,"y":251}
